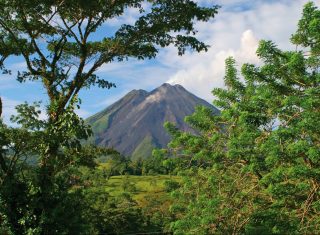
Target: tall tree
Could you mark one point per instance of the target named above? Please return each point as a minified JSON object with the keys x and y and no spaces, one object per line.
{"x":262,"y":154}
{"x":59,"y":44}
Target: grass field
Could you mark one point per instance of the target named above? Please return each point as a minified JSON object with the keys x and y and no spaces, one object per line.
{"x":142,"y":188}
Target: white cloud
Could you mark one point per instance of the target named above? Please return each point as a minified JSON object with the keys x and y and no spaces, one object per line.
{"x":8,"y":108}
{"x":232,"y":34}
{"x":207,"y":70}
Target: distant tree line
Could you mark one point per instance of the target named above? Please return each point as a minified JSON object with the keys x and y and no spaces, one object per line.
{"x":159,"y":163}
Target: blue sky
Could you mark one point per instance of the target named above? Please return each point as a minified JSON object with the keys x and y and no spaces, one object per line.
{"x":235,"y":31}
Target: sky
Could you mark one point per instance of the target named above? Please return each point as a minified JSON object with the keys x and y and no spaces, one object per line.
{"x":235,"y":31}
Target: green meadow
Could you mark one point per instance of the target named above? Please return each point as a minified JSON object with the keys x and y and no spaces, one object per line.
{"x":142,"y":188}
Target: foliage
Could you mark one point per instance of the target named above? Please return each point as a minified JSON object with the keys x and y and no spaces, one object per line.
{"x":255,"y":168}
{"x":58,"y":42}
{"x":27,"y":206}
{"x":105,"y":213}
{"x":155,"y":163}
{"x":160,"y":163}
{"x":120,"y":210}
{"x":117,"y":164}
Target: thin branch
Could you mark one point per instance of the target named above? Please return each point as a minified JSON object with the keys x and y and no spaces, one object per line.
{"x":44,"y":60}
{"x":50,"y":18}
{"x":309,"y":201}
{"x":70,"y":30}
{"x":58,"y":52}
{"x":80,"y":30}
{"x":54,"y":13}
{"x":25,"y":55}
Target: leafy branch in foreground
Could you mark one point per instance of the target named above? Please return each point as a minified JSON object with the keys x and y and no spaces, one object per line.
{"x":59,"y":42}
{"x":262,"y":153}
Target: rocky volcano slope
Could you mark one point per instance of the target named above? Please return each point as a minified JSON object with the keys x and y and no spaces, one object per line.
{"x":134,"y":124}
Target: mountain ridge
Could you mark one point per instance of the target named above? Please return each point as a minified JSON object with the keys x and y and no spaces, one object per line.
{"x":133,"y":125}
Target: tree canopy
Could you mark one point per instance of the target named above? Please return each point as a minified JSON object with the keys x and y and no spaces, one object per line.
{"x":254,"y":169}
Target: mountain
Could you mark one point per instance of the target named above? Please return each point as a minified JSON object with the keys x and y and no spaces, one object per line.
{"x":134,"y":124}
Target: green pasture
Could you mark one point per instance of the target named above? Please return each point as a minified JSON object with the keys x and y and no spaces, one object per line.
{"x":142,"y":188}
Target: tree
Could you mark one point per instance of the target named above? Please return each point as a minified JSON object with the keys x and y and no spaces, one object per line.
{"x":261,"y":155}
{"x":26,"y":208}
{"x":57,"y":41}
{"x":55,"y":38}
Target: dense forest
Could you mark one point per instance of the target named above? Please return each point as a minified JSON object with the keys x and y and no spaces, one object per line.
{"x":252,"y":169}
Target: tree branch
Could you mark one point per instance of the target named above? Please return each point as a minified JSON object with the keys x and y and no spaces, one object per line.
{"x":69,"y":28}
{"x":25,"y":55}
